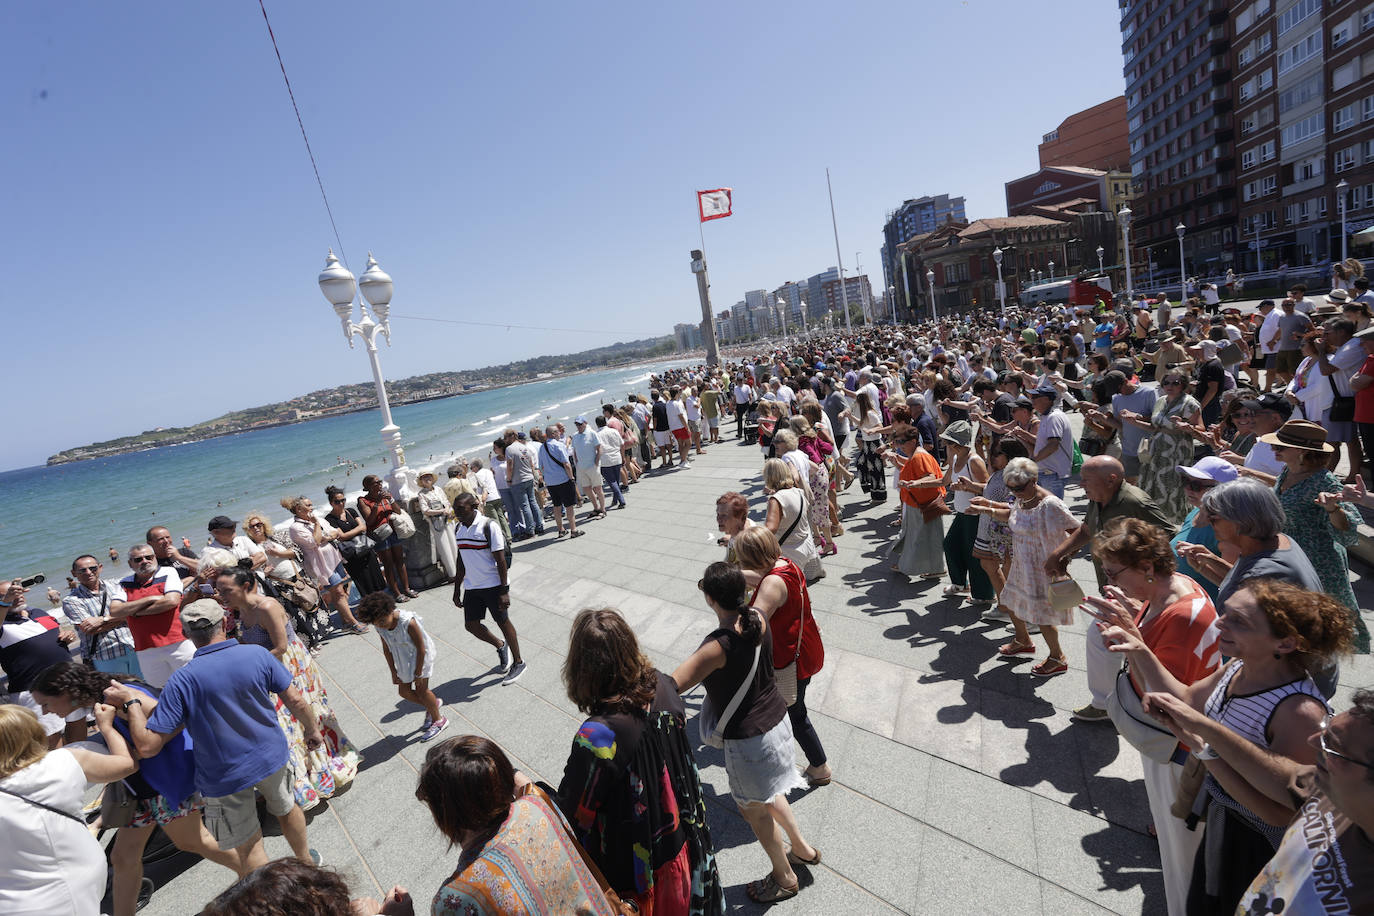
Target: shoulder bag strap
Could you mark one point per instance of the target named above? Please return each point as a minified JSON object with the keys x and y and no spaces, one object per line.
{"x":796,"y":521}
{"x":738,"y":698}
{"x":39,"y":804}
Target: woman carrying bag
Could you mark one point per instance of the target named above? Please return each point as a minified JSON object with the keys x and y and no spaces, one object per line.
{"x":780,"y":595}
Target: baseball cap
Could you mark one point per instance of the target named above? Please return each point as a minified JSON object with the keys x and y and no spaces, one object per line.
{"x":1023,"y":401}
{"x":582,"y":419}
{"x":221,"y":521}
{"x":201,"y":615}
{"x":1217,"y":470}
{"x":1044,"y":391}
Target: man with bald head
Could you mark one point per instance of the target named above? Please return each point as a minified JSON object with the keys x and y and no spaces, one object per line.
{"x":1109,"y":497}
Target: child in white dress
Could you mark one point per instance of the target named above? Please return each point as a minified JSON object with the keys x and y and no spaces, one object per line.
{"x":409,"y":653}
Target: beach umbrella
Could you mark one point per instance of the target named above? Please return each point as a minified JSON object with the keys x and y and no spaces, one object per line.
{"x":1364,"y":235}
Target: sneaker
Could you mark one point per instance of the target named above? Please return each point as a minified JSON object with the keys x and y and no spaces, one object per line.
{"x":437,"y":726}
{"x":1090,"y":713}
{"x":514,"y":674}
{"x":996,"y":615}
{"x":316,"y":857}
{"x":503,"y":658}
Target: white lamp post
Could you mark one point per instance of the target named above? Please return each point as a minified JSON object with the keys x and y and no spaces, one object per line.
{"x":892,"y":301}
{"x":1125,"y":217}
{"x":1001,"y":289}
{"x":339,"y":288}
{"x":1182,"y":269}
{"x":1051,"y":270}
{"x":1100,"y":252}
{"x":930,"y":285}
{"x":1341,"y":188}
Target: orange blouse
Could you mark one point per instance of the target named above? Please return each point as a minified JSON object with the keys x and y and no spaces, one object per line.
{"x":921,"y":464}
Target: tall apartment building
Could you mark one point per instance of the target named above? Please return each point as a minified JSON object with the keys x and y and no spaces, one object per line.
{"x":823,"y":293}
{"x":1177,"y":64}
{"x":688,"y":336}
{"x":915,"y":217}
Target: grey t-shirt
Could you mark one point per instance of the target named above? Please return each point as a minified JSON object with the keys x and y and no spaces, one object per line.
{"x":1288,"y":564}
{"x":518,"y":454}
{"x":837,"y":409}
{"x":1296,"y":323}
{"x":1141,"y":401}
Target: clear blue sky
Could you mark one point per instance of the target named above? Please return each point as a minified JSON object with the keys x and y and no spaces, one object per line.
{"x":534,"y":163}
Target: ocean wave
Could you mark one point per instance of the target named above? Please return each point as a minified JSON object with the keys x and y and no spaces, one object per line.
{"x":637,"y":379}
{"x":479,"y":423}
{"x":552,"y":407}
{"x":583,"y":397}
{"x":499,"y":416}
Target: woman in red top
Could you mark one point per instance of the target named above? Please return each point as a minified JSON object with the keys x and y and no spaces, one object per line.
{"x":919,"y":549}
{"x":780,"y":595}
{"x":377,"y":508}
{"x":1172,"y":615}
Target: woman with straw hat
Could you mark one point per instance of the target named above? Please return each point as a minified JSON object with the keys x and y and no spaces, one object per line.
{"x":1325,"y":533}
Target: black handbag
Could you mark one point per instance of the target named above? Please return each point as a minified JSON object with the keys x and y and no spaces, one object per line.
{"x":1342,"y":408}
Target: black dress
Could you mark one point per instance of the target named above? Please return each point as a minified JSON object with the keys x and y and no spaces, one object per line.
{"x":366,"y":572}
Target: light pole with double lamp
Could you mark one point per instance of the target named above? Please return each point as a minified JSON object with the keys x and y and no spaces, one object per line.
{"x":1124,"y":216}
{"x":1182,"y":270}
{"x":1100,"y":252}
{"x":340,"y":289}
{"x":930,"y":285}
{"x":1001,"y":288}
{"x":1341,"y":188}
{"x":1051,"y":266}
{"x":892,"y":301}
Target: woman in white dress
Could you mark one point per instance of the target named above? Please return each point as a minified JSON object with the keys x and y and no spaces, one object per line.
{"x":787,"y":516}
{"x":434,"y":506}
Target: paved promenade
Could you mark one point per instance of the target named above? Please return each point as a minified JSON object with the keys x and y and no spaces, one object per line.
{"x":961,"y":786}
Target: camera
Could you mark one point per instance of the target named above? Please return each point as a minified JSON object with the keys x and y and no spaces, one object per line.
{"x":33,"y":580}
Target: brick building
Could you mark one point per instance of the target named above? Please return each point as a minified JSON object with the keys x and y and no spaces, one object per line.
{"x":1095,"y":138}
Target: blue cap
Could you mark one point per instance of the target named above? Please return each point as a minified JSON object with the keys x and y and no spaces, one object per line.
{"x":582,"y":418}
{"x":1044,"y":391}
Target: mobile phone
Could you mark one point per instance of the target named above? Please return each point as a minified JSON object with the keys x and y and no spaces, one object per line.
{"x":206,"y":588}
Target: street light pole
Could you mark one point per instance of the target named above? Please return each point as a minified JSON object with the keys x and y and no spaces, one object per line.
{"x":1125,"y":217}
{"x":930,"y":285}
{"x":1100,"y":251}
{"x":1341,"y":188}
{"x":1051,"y":270}
{"x":892,"y":301}
{"x":1182,"y":268}
{"x":839,"y":261}
{"x":339,"y":288}
{"x":1001,"y":288}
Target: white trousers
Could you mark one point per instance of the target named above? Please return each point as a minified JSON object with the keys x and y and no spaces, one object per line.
{"x":1177,"y":844}
{"x":1102,"y":665}
{"x":158,"y":663}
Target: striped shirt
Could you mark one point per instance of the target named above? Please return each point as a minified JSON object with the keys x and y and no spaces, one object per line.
{"x":83,"y":604}
{"x":477,"y":543}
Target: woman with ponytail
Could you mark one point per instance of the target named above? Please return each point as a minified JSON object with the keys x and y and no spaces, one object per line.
{"x":163,"y":787}
{"x":760,"y":759}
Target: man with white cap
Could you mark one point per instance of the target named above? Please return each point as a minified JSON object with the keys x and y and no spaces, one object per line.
{"x":223,"y":698}
{"x":1052,"y":444}
{"x":1340,"y":356}
{"x":587,"y":453}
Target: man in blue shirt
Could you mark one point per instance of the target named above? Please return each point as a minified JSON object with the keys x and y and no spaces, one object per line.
{"x":223,"y":698}
{"x":558,"y":477}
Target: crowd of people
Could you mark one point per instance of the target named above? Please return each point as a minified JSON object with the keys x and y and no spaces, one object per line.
{"x":1219,"y":507}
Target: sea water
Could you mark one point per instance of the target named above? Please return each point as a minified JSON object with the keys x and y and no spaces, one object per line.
{"x":54,"y":514}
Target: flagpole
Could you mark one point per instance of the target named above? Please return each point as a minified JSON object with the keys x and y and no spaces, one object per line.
{"x":708,"y":320}
{"x":839,"y":259}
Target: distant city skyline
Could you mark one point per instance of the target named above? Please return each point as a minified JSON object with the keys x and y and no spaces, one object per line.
{"x":164,"y":227}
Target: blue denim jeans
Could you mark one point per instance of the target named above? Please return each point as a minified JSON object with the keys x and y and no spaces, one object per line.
{"x":611,"y":475}
{"x":126,"y":663}
{"x":531,"y":517}
{"x":512,"y":510}
{"x":1052,"y":482}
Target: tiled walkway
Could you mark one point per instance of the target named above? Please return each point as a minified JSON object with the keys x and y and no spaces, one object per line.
{"x":961,"y":786}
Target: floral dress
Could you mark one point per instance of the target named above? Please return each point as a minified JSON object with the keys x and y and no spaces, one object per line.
{"x":317,"y":774}
{"x":632,"y":793}
{"x":1308,"y":525}
{"x":1168,"y":449}
{"x":1035,"y":533}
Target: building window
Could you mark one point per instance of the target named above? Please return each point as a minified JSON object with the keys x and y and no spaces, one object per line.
{"x":1300,"y":94}
{"x":1367,"y":108}
{"x":1368,"y":151}
{"x":1308,"y":168}
{"x":1345,"y":75}
{"x":1304,"y":49}
{"x":1268,"y":185}
{"x":1343,"y":118}
{"x":1297,"y":13}
{"x":1319,"y":205}
{"x":1247,"y":159}
{"x":1305,"y":129}
{"x":1266,"y":151}
{"x":1340,"y":34}
{"x":1347,"y":159}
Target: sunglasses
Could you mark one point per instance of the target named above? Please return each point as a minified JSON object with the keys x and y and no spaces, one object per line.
{"x":1321,"y":740}
{"x":1197,"y":486}
{"x":86,"y":569}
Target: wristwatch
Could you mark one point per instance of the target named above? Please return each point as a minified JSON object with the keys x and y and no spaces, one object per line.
{"x":1206,"y":753}
{"x":128,"y":703}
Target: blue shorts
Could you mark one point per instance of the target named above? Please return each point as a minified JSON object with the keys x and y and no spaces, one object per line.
{"x":337,"y":576}
{"x":389,"y":543}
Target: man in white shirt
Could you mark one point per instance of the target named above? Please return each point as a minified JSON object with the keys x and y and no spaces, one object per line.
{"x":1298,"y":293}
{"x":482,"y":572}
{"x":611,"y":462}
{"x":1339,"y":356}
{"x":744,"y":396}
{"x":1268,"y":346}
{"x":1052,"y":445}
{"x":677,"y":426}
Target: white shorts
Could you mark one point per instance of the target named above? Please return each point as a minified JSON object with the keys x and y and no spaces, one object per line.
{"x":52,"y":723}
{"x":662,"y":438}
{"x":589,"y":477}
{"x":158,"y":663}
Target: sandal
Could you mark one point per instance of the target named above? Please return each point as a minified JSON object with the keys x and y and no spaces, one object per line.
{"x":1013,"y":649}
{"x":794,"y":859}
{"x":412,"y":593}
{"x":770,"y":891}
{"x":1050,"y":667}
{"x":359,"y":628}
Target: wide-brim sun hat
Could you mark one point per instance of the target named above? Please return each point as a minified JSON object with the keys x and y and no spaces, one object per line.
{"x":1303,"y":434}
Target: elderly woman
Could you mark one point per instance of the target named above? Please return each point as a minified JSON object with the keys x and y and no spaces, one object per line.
{"x":813,"y":474}
{"x":780,"y":595}
{"x":829,"y":448}
{"x":1177,"y":622}
{"x":1274,"y":635}
{"x":263,"y":622}
{"x":1171,"y":424}
{"x":377,"y":508}
{"x":732,"y":517}
{"x":1207,"y":474}
{"x":992,"y":541}
{"x":630,"y":787}
{"x":787,"y":516}
{"x":51,"y":862}
{"x":810,"y":441}
{"x":322,"y":557}
{"x":759,"y":759}
{"x":869,"y":420}
{"x":1327,"y":530}
{"x":1038,"y":520}
{"x":163,"y":787}
{"x":433,"y":504}
{"x":516,"y":856}
{"x":918,"y":549}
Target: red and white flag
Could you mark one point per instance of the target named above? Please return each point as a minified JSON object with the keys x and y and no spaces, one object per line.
{"x":713,"y":204}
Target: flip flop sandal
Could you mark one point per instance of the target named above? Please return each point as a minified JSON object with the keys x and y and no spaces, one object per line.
{"x":1012,"y":649}
{"x":795,"y":859}
{"x":770,"y":891}
{"x":1050,"y":667}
